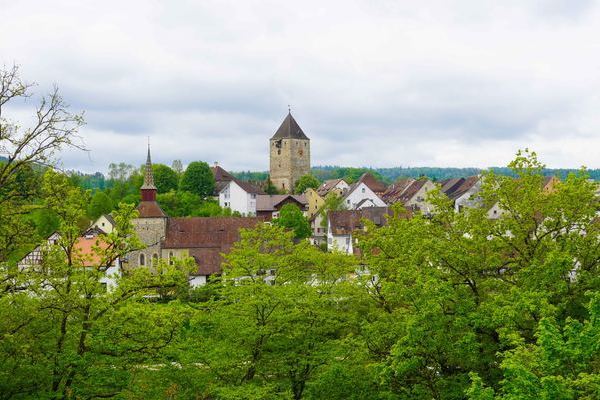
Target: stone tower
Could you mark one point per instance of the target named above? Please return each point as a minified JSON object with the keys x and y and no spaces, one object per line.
{"x":151,"y":225}
{"x":290,"y":155}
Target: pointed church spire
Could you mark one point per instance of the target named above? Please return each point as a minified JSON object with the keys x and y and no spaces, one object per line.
{"x":148,"y":174}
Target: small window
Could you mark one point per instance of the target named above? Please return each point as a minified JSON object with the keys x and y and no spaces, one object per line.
{"x":170,"y":258}
{"x":103,"y":224}
{"x":142,"y":259}
{"x":363,"y":190}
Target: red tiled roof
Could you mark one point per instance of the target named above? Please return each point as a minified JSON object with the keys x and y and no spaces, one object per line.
{"x":368,"y":179}
{"x":206,"y":238}
{"x":150,"y":209}
{"x":344,"y":222}
{"x":220,"y":174}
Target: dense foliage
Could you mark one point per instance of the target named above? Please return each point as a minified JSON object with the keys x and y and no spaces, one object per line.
{"x":305,"y":182}
{"x":448,"y":306}
{"x":198,"y":179}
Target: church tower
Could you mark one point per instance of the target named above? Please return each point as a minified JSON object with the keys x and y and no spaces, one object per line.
{"x":151,"y":224}
{"x":289,"y":155}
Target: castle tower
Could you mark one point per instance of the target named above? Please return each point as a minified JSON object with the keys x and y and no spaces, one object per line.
{"x":289,"y":155}
{"x":151,"y":223}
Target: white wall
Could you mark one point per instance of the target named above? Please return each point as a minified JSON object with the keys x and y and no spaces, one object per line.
{"x":197,"y":280}
{"x":360,"y":193}
{"x":237,"y":199}
{"x":104,"y":224}
{"x":469,"y":199}
{"x":340,"y":243}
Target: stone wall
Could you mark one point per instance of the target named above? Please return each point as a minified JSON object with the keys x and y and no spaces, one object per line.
{"x":290,"y":159}
{"x":150,"y":231}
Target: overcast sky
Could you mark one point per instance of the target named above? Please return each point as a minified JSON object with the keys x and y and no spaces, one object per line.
{"x":372,"y":83}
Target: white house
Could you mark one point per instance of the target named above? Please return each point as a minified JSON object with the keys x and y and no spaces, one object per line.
{"x":239,"y":196}
{"x":358,"y":193}
{"x":467,"y":195}
{"x":105,"y":223}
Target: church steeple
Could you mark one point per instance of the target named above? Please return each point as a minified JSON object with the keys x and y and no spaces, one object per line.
{"x":148,"y":189}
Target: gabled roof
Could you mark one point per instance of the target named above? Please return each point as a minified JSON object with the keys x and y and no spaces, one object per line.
{"x":275,"y":201}
{"x":289,"y":129}
{"x":246,"y":186}
{"x":220,"y":174}
{"x":372,"y":182}
{"x":344,"y":222}
{"x":150,"y":209}
{"x":327,"y":186}
{"x":206,"y":238}
{"x":462,"y":188}
{"x":395,"y":190}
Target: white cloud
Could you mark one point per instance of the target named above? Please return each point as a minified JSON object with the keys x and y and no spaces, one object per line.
{"x":448,"y":83}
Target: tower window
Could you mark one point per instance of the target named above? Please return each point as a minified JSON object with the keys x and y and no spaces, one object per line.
{"x":142,"y":259}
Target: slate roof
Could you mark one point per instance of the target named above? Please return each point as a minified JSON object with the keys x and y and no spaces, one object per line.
{"x":289,"y":129}
{"x":150,"y":209}
{"x":344,"y":222}
{"x":206,"y":238}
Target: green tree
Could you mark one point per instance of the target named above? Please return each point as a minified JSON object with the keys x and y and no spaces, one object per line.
{"x":458,"y":293}
{"x":332,"y":202}
{"x":291,"y":217}
{"x":100,"y":204}
{"x":305,"y":182}
{"x":165,"y":178}
{"x":198,"y":179}
{"x":27,"y":150}
{"x":66,"y":336}
{"x":268,"y":334}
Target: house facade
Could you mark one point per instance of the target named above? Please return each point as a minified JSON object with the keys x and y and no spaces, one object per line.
{"x":314,"y":202}
{"x":239,"y":196}
{"x":268,"y":206}
{"x":358,"y":193}
{"x":341,"y":226}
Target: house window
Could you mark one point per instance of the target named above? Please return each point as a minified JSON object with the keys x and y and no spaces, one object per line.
{"x":142,"y":259}
{"x":170,"y":258}
{"x":363,"y":190}
{"x":348,"y":201}
{"x":253,"y":196}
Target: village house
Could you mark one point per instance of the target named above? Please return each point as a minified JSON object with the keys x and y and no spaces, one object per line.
{"x":364,"y":193}
{"x":268,"y":206}
{"x":240,"y":196}
{"x":463,"y":192}
{"x":222,"y":178}
{"x":341,"y":225}
{"x":337,"y":186}
{"x":412,"y":193}
{"x":314,"y":202}
{"x":84,"y":255}
{"x":105,"y":223}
